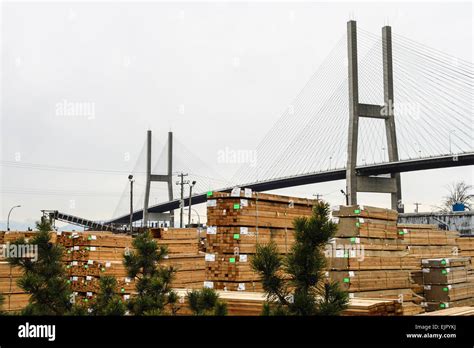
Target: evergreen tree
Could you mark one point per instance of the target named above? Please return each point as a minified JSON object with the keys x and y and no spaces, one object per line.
{"x":153,"y":282}
{"x":206,"y":302}
{"x":44,"y":278}
{"x":295,"y":284}
{"x":108,"y":300}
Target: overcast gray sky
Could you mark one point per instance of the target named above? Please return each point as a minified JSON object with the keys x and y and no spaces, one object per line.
{"x":218,"y":74}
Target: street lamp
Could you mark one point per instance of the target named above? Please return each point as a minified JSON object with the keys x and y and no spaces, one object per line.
{"x":8,"y":218}
{"x":190,"y":194}
{"x":345,"y":195}
{"x":130,"y":178}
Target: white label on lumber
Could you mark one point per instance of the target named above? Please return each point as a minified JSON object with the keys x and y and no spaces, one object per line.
{"x":351,"y":295}
{"x":92,"y":248}
{"x":210,"y":257}
{"x":450,"y":287}
{"x":165,"y":229}
{"x":88,"y":278}
{"x":426,"y":270}
{"x":241,"y":287}
{"x":448,"y":269}
{"x":90,"y":262}
{"x":89,"y":294}
{"x":211,"y":203}
{"x":447,"y":261}
{"x":248,"y":192}
{"x":244,"y":203}
{"x":107,"y":264}
{"x":76,"y":247}
{"x":357,"y":240}
{"x":126,"y":297}
{"x":74,"y":279}
{"x":243,"y":258}
{"x":166,"y":256}
{"x":339,"y":253}
{"x":127,"y":280}
{"x":74,"y":263}
{"x":405,"y":231}
{"x":244,"y":230}
{"x":93,"y":237}
{"x":235,"y":192}
{"x":351,"y":274}
{"x":208,"y":284}
{"x":335,"y":219}
{"x":425,"y":261}
{"x":361,"y":220}
{"x":427,"y":287}
{"x":361,"y":207}
{"x":446,"y":305}
{"x":211,"y":229}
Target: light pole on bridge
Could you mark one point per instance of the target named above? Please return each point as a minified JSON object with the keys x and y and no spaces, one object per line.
{"x":8,"y":218}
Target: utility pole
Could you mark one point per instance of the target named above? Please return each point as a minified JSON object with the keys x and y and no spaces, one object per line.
{"x":416,"y":205}
{"x":317,"y":195}
{"x":181,"y":203}
{"x":130,"y":177}
{"x":190,"y":194}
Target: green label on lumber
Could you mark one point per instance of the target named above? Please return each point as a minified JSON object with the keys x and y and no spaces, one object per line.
{"x":232,"y":260}
{"x":209,"y":193}
{"x":89,"y":238}
{"x":357,"y":211}
{"x":401,"y":232}
{"x":69,"y":251}
{"x":236,"y":206}
{"x":445,"y":289}
{"x":353,"y":239}
{"x":103,"y":269}
{"x":358,"y":224}
{"x":346,"y":280}
{"x":443,"y":261}
{"x":68,"y":266}
{"x":69,"y":281}
{"x":444,"y":271}
{"x":123,"y":290}
{"x":85,"y":266}
{"x":442,"y":305}
{"x":87,"y":248}
{"x":86,"y":300}
{"x":236,"y":236}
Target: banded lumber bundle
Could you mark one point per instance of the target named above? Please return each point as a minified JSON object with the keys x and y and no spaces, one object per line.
{"x":255,"y":210}
{"x":362,"y":211}
{"x":366,"y":227}
{"x":448,"y":293}
{"x":466,"y":246}
{"x":445,"y":275}
{"x":354,"y":281}
{"x":450,"y":312}
{"x":435,"y":306}
{"x":15,"y":302}
{"x":244,"y":239}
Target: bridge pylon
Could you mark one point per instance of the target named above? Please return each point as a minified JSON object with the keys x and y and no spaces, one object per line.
{"x":168,"y":177}
{"x":356,"y":182}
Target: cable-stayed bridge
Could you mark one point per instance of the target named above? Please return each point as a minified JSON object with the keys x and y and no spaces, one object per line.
{"x":379,"y":105}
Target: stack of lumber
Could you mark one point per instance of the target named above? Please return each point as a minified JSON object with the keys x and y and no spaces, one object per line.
{"x":251,"y":303}
{"x":90,"y":255}
{"x":237,"y":222}
{"x":450,"y":312}
{"x":14,"y":297}
{"x":447,"y":283}
{"x":466,"y":246}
